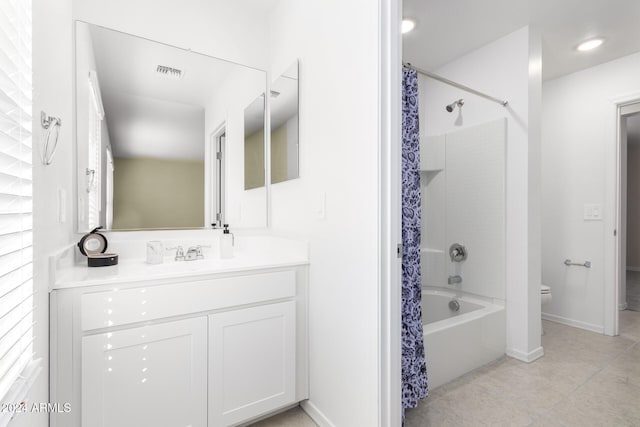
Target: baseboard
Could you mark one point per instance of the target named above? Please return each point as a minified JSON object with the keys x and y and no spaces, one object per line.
{"x":316,"y":414}
{"x":525,"y":357}
{"x":574,"y":323}
{"x":622,"y":306}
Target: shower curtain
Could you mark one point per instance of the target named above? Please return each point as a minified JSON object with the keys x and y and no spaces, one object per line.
{"x":414,"y":370}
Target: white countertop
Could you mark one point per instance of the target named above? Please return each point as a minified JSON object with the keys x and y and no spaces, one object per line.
{"x":138,"y":270}
{"x":249,"y":255}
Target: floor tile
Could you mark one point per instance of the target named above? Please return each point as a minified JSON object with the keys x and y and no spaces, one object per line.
{"x":295,"y":417}
{"x":603,"y":401}
{"x":584,"y":379}
{"x":633,"y":290}
{"x":629,"y":324}
{"x":474,"y":404}
{"x":547,"y":421}
{"x":627,"y":366}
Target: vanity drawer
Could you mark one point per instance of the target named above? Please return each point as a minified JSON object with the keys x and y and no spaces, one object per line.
{"x":119,"y":307}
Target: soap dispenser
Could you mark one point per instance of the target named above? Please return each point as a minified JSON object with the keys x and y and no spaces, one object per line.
{"x":226,"y":243}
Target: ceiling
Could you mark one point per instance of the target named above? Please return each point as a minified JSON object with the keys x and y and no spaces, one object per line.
{"x":147,"y":114}
{"x":447,"y":29}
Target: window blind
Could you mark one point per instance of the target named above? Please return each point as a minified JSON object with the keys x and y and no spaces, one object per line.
{"x":16,"y":268}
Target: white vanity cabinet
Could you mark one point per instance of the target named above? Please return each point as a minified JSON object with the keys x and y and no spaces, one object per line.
{"x":215,"y":351}
{"x":146,"y":376}
{"x":252,"y":361}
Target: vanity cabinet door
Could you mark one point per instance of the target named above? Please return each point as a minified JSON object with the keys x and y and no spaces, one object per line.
{"x":148,"y":376}
{"x":252,"y":362}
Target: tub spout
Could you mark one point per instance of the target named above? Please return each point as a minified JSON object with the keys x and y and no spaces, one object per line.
{"x":454,"y":279}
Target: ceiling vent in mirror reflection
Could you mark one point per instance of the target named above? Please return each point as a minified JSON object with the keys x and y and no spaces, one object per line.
{"x":169,"y":72}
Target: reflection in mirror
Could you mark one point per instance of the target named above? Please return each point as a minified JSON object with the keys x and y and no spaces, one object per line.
{"x":284,"y":126}
{"x":144,"y":113}
{"x":254,"y":174}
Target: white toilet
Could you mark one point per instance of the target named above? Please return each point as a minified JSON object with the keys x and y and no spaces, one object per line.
{"x":545,"y":297}
{"x":545,"y":294}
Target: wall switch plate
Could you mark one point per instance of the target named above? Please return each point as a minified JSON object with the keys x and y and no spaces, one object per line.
{"x":592,"y":212}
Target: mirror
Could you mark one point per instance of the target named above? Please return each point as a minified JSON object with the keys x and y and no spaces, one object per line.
{"x":284,"y":126}
{"x":253,"y":144}
{"x":160,"y":135}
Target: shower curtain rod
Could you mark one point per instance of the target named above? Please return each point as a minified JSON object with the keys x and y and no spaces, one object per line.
{"x":458,"y":85}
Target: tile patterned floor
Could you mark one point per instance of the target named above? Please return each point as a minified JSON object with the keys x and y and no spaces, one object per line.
{"x":633,"y":290}
{"x":295,"y":417}
{"x":583,"y":380}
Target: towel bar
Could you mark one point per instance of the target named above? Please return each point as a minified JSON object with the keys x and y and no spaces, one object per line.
{"x":586,"y":264}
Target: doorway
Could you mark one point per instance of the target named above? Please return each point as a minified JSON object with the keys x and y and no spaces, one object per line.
{"x":217,"y":176}
{"x":629,"y":259}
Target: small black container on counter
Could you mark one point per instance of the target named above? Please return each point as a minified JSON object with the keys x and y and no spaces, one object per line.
{"x":93,"y":245}
{"x":102,"y":260}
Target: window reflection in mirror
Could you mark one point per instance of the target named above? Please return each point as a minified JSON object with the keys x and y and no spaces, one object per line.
{"x":284,"y":126}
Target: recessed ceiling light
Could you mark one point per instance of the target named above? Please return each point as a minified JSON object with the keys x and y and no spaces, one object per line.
{"x":590,"y":44}
{"x":408,"y":25}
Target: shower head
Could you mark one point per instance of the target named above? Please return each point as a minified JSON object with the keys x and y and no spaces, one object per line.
{"x":459,"y":103}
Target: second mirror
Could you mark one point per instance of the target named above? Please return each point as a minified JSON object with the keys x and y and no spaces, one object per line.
{"x":284,"y":126}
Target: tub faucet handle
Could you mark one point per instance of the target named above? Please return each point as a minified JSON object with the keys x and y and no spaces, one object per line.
{"x":457,"y":252}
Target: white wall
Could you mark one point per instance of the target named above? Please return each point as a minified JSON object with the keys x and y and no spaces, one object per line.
{"x":509,"y":69}
{"x":465,"y":204}
{"x":337,"y":43}
{"x":434,"y":258}
{"x":205,"y":26}
{"x":51,"y":93}
{"x":578,"y":162}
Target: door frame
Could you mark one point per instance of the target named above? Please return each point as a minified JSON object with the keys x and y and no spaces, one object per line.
{"x":615,"y":228}
{"x":390,"y":220}
{"x":213,"y":175}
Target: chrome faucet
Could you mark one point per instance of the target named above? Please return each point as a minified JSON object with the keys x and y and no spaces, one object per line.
{"x":179,"y":253}
{"x":194,"y":253}
{"x":454,"y":279}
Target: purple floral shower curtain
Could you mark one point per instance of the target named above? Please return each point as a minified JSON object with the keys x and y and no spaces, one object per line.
{"x":414,"y":370}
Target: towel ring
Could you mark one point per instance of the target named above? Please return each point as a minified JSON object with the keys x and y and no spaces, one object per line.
{"x":50,"y":133}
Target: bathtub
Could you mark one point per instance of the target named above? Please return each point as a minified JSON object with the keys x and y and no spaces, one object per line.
{"x":458,"y":342}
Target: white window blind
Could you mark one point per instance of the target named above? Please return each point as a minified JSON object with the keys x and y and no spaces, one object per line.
{"x":16,"y":271}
